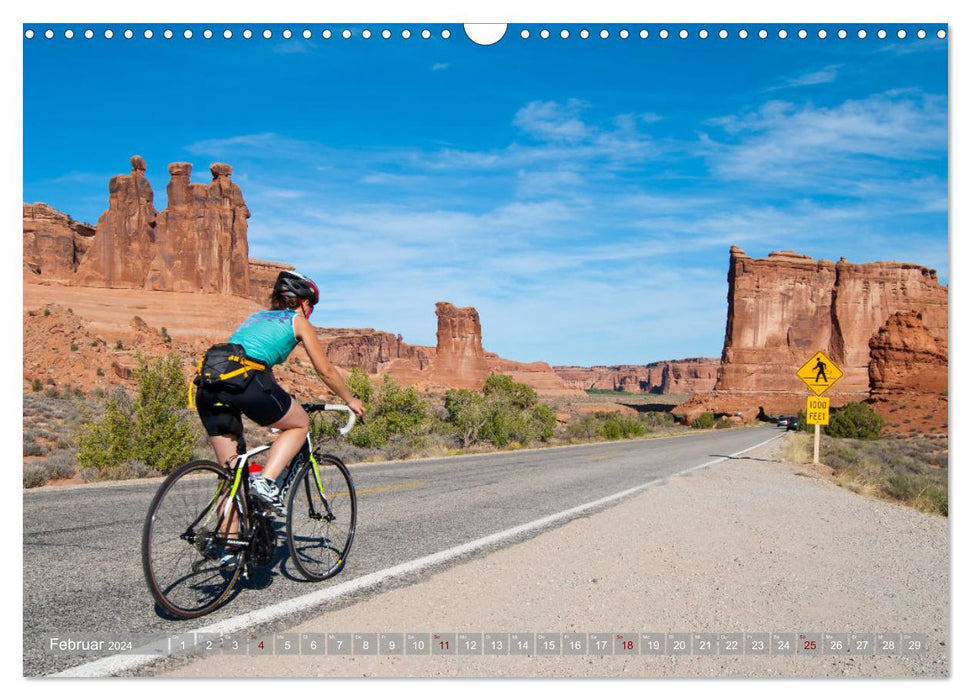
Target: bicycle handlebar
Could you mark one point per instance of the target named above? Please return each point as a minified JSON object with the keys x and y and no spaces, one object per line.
{"x":352,"y":417}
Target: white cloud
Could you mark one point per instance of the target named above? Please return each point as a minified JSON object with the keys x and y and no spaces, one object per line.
{"x":552,"y":121}
{"x":439,"y":66}
{"x":828,"y":148}
{"x":824,"y":75}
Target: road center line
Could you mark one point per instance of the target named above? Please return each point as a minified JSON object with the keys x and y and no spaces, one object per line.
{"x":122,"y":662}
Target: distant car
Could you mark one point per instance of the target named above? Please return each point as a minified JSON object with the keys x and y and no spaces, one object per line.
{"x":792,"y":423}
{"x":783,"y":422}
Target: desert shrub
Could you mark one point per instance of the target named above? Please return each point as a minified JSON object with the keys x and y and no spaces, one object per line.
{"x":36,"y":385}
{"x":854,"y":420}
{"x":586,"y":427}
{"x":35,"y":475}
{"x":511,"y":413}
{"x":155,"y":428}
{"x":105,"y":442}
{"x":60,"y":464}
{"x":164,"y":427}
{"x":395,"y":414}
{"x":657,"y":419}
{"x":518,"y":394}
{"x":605,"y":425}
{"x":544,"y":422}
{"x":704,"y":421}
{"x":467,"y":414}
{"x":504,"y":413}
{"x":33,"y":448}
{"x":618,"y":427}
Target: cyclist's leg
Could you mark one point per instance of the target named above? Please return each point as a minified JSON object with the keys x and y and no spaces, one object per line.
{"x":224,"y":425}
{"x":267,"y":403}
{"x":293,"y":434}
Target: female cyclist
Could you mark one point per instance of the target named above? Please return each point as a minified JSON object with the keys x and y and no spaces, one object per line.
{"x":268,"y":337}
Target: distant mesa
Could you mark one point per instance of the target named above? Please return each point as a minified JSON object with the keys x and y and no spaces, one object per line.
{"x":688,"y":376}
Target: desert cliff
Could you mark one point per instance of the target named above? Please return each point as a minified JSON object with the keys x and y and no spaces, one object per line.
{"x":883,"y":323}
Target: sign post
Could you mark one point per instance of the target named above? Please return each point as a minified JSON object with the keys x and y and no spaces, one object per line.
{"x":819,"y":374}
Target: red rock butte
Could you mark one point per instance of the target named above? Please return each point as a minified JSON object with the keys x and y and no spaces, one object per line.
{"x":885,"y":324}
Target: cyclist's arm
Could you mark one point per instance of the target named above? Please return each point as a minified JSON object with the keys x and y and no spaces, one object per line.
{"x":305,"y":334}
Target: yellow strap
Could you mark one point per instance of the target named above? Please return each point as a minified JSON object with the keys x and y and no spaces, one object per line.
{"x":192,"y":396}
{"x":228,"y":375}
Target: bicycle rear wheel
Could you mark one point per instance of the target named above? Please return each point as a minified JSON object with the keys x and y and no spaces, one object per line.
{"x":184,"y":537}
{"x":321,"y":517}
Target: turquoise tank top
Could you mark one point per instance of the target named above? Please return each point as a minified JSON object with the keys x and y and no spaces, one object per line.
{"x":267,"y":335}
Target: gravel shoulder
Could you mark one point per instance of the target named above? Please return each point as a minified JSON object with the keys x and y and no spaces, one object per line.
{"x":751,"y":545}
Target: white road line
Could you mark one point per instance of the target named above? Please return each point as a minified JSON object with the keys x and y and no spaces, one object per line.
{"x":121,"y":662}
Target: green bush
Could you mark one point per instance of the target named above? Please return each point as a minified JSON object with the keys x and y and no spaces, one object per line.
{"x":466,"y":412}
{"x":544,"y":422}
{"x":105,"y":443}
{"x":164,"y":427}
{"x":854,"y":420}
{"x":585,"y":427}
{"x":619,"y":427}
{"x":505,"y":412}
{"x":394,"y":413}
{"x":704,"y":421}
{"x":657,"y":419}
{"x":36,"y":385}
{"x":155,"y":428}
{"x":518,"y":394}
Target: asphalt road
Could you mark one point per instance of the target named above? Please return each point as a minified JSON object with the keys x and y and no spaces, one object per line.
{"x":82,"y":566}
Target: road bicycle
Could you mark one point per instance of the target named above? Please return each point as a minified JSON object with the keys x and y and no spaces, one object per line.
{"x":203,"y":511}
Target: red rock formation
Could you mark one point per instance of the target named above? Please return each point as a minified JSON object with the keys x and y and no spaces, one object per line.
{"x":783,"y":308}
{"x":262,"y":277}
{"x":198,"y":243}
{"x":460,"y":360}
{"x":687,"y":376}
{"x":371,"y":350}
{"x":908,"y":376}
{"x":201,"y":235}
{"x":906,"y":358}
{"x":53,"y":243}
{"x":884,"y":324}
{"x":457,"y":361}
{"x":124,"y":244}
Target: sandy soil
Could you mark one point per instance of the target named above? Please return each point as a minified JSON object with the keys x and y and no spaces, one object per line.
{"x":753,"y":545}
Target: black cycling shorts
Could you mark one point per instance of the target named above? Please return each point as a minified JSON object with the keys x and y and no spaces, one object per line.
{"x":262,"y":401}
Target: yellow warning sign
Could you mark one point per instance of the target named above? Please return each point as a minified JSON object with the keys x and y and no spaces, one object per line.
{"x":817,"y":410}
{"x":820,"y":373}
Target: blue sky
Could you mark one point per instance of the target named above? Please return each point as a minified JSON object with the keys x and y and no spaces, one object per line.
{"x":582,"y":194}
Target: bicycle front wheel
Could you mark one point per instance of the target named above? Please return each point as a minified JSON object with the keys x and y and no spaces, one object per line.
{"x":321,"y":517}
{"x":184,"y":539}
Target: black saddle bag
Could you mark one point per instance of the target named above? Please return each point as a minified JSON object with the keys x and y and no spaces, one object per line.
{"x":225,"y":367}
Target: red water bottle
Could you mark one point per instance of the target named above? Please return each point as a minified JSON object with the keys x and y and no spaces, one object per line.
{"x":255,"y":469}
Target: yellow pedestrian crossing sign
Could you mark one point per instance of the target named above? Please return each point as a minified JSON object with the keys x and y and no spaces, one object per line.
{"x":820,"y":373}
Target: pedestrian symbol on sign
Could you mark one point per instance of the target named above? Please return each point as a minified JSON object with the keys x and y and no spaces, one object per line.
{"x":819,"y":373}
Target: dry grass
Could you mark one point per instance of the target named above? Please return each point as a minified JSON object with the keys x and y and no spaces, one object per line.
{"x":908,"y":470}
